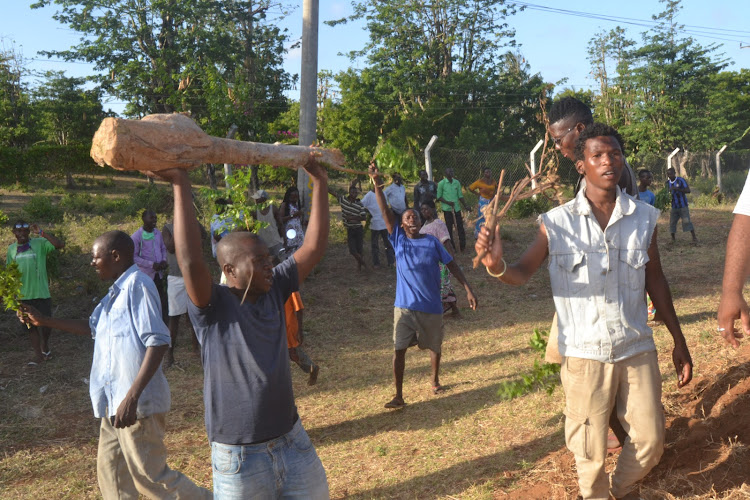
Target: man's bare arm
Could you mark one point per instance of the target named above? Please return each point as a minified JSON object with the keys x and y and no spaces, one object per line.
{"x":736,"y":270}
{"x":316,"y":238}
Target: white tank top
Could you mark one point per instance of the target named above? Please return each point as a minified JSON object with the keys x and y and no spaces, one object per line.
{"x":270,"y":233}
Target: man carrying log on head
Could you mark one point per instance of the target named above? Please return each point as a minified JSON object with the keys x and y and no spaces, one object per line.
{"x":603,"y":258}
{"x":259,"y":447}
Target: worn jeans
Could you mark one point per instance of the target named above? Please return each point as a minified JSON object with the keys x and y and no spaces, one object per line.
{"x":375,"y":247}
{"x":133,"y":460}
{"x":459,"y":223}
{"x":285,"y":467}
{"x":591,"y":389}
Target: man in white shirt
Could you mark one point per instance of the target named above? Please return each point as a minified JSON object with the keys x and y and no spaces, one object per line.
{"x":395,"y":195}
{"x":377,"y":230}
{"x":736,"y":270}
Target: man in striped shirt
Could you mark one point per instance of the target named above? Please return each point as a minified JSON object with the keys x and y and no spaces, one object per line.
{"x":678,"y":188}
{"x":352,"y":215}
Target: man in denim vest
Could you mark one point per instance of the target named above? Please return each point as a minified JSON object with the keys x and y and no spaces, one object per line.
{"x":603,"y":257}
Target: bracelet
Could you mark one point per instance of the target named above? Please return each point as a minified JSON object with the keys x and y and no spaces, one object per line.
{"x":505,"y":268}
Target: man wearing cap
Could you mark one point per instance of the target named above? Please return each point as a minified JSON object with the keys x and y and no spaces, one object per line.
{"x":268,"y":213}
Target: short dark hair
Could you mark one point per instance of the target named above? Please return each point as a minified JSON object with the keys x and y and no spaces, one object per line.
{"x":570,"y":108}
{"x":597,"y":130}
{"x":118,"y":240}
{"x":643,"y":172}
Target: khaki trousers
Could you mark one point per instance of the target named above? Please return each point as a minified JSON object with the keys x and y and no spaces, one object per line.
{"x":591,"y":389}
{"x":133,"y":460}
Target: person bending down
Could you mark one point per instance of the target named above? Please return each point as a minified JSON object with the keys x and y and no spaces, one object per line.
{"x":603,"y":258}
{"x":418,"y":310}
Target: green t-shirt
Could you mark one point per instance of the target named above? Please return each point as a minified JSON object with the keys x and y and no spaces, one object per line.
{"x":33,"y":266}
{"x":450,"y":191}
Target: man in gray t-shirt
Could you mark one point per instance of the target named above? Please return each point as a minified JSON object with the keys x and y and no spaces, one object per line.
{"x":251,"y":418}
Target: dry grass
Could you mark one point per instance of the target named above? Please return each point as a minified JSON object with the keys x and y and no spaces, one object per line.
{"x":465,"y":443}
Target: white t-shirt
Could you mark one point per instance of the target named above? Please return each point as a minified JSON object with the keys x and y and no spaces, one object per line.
{"x":743,"y":204}
{"x":394,"y":195}
{"x":370,"y":202}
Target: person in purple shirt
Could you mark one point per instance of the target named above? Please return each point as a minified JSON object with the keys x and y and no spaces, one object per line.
{"x":128,"y":390}
{"x":150,"y":254}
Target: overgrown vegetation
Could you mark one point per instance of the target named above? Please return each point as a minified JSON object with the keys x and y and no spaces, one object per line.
{"x":543,"y":375}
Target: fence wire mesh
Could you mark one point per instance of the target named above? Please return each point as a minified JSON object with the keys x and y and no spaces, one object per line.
{"x":698,"y":167}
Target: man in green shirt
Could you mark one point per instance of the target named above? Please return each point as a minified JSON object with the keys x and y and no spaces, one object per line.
{"x":449,"y":194}
{"x":31,"y":256}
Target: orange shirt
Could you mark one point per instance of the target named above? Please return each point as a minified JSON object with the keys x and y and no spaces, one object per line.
{"x":293,"y":304}
{"x":486,"y":191}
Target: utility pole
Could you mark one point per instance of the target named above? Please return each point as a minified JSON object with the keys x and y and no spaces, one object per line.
{"x":308,"y":99}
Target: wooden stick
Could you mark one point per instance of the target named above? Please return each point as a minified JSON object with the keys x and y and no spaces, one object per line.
{"x":490,"y":216}
{"x":162,"y":141}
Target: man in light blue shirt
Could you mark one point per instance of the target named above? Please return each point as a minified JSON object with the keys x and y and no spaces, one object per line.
{"x":128,"y":389}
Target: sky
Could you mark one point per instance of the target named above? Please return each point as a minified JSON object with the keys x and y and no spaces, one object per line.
{"x":552,"y":34}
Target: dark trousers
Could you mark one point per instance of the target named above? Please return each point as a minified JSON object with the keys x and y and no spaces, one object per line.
{"x":161,"y":286}
{"x":459,"y":222}
{"x":355,"y":239}
{"x":375,"y":247}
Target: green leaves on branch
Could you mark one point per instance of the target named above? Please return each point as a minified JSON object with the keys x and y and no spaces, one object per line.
{"x":238,"y":208}
{"x":10,"y":286}
{"x":542,"y":376}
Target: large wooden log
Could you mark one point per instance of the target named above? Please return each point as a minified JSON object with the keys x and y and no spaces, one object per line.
{"x":162,"y":141}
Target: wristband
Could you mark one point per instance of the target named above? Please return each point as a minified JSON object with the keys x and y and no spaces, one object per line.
{"x":505,"y":268}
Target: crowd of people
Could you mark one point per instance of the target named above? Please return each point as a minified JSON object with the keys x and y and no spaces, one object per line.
{"x":603,"y":259}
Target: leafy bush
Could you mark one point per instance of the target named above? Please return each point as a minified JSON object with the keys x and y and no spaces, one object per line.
{"x":733,"y":182}
{"x":663,"y":200}
{"x":96,"y":204}
{"x":528,"y":207}
{"x":41,"y":208}
{"x":542,"y":376}
{"x":707,"y":201}
{"x":152,"y":197}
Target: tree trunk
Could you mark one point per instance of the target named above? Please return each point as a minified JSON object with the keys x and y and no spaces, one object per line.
{"x":211,"y":171}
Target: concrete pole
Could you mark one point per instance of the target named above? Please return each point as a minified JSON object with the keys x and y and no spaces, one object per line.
{"x":532,"y":162}
{"x":671,"y":155}
{"x":718,"y":166}
{"x":427,"y":158}
{"x":308,"y":99}
{"x":227,"y":167}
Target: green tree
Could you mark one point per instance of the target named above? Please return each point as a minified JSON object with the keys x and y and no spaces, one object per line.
{"x":15,"y":109}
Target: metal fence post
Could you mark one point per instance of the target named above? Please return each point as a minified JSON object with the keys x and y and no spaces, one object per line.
{"x":718,"y":166}
{"x":427,"y":159}
{"x":671,"y":155}
{"x":532,"y":162}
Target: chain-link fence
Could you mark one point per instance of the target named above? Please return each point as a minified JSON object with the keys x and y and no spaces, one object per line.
{"x":698,"y":167}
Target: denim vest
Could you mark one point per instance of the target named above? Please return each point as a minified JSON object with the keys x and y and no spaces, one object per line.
{"x":598,"y":278}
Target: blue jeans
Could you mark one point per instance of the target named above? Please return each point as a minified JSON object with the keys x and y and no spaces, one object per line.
{"x":285,"y":467}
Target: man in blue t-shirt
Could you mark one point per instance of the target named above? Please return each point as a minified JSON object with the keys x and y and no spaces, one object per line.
{"x":259,"y":448}
{"x":678,"y":188}
{"x":645,"y":179}
{"x":418,"y":312}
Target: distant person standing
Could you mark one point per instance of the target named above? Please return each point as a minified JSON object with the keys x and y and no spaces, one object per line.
{"x":425,"y":190}
{"x":678,"y":188}
{"x":271,"y":235}
{"x":220,"y":224}
{"x":377,"y":231}
{"x":31,"y":256}
{"x":395,"y":195}
{"x":645,"y":178}
{"x":484,"y":188}
{"x":151,"y":255}
{"x":353,"y":213}
{"x":293,"y":218}
{"x":449,"y":194}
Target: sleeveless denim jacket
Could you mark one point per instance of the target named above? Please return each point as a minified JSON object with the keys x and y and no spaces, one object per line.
{"x":598,"y":278}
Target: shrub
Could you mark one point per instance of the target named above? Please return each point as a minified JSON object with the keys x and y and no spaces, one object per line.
{"x":528,"y":207}
{"x":152,"y":197}
{"x":663,"y":200}
{"x":41,"y":208}
{"x":733,"y":182}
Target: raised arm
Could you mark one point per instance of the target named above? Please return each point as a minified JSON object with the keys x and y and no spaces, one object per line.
{"x":316,"y":238}
{"x":56,"y":242}
{"x":388,"y":217}
{"x":187,"y":237}
{"x":658,"y":289}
